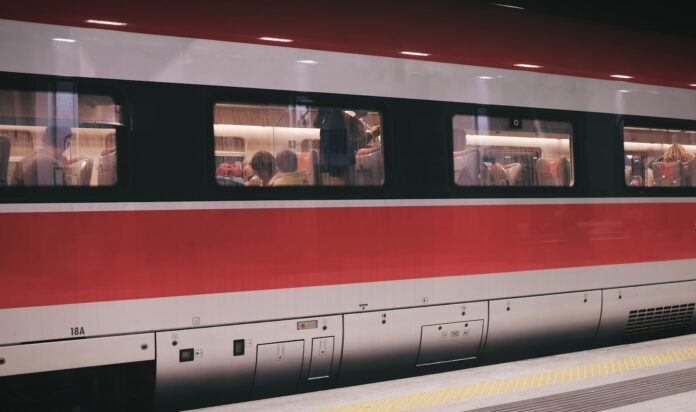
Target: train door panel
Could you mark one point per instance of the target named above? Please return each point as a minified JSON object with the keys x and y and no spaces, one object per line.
{"x":537,"y":325}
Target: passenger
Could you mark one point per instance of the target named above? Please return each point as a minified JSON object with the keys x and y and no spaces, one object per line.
{"x":228,"y":174}
{"x":636,"y":181}
{"x":247,"y":173}
{"x":677,"y":152}
{"x":46,"y":166}
{"x":375,"y":144}
{"x":359,"y":132}
{"x":287,"y":171}
{"x":336,"y":150}
{"x":263,"y":164}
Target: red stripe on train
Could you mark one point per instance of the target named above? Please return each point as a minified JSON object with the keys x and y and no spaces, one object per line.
{"x":57,"y":258}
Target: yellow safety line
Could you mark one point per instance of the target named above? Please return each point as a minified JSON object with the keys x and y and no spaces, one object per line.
{"x":518,"y":383}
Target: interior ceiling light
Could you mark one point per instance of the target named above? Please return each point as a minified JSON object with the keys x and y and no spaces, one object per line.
{"x":485,"y":77}
{"x":693,"y":85}
{"x":528,"y":66}
{"x":621,"y":76}
{"x":625,"y":91}
{"x":276,"y":39}
{"x":411,"y":53}
{"x":63,"y":40}
{"x":107,"y":22}
{"x":307,"y":61}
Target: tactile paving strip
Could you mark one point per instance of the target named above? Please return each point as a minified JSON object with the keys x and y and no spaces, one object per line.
{"x":518,"y":383}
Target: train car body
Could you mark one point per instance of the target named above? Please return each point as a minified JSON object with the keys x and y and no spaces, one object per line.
{"x":504,"y":212}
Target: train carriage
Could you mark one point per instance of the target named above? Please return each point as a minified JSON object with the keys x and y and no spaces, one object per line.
{"x":198,"y":212}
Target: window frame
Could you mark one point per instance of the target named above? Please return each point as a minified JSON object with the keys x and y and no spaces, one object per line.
{"x":656,"y":123}
{"x":285,"y":98}
{"x":32,"y":83}
{"x":578,"y":162}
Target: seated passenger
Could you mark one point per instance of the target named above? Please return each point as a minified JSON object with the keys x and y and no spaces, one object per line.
{"x":228,"y":174}
{"x":636,"y":181}
{"x":677,"y":152}
{"x":247,"y":173}
{"x":493,"y":175}
{"x":288,"y":175}
{"x":45,"y":167}
{"x":263,"y":165}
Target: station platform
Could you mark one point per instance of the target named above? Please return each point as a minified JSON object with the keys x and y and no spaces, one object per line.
{"x":646,"y":376}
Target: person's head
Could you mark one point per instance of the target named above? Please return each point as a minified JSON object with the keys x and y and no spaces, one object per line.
{"x":57,"y":139}
{"x":286,"y":161}
{"x":361,"y":113}
{"x":677,"y":152}
{"x":263,"y":164}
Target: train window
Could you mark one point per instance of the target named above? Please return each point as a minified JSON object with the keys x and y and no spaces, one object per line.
{"x":57,"y":139}
{"x":296,"y":145}
{"x":659,"y":157}
{"x":497,"y":151}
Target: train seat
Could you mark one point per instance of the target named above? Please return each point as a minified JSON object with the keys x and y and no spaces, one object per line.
{"x":466,"y":167}
{"x":493,"y":175}
{"x":668,"y":174}
{"x":628,"y":172}
{"x":79,"y":172}
{"x":309,"y":163}
{"x":690,"y":172}
{"x":513,"y":173}
{"x":106,"y":169}
{"x":369,"y":169}
{"x":4,"y":159}
{"x":553,"y":172}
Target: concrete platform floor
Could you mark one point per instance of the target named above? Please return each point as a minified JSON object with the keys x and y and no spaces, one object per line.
{"x":491,"y":385}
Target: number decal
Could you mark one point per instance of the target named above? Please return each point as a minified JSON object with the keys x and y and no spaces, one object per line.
{"x":77,"y":331}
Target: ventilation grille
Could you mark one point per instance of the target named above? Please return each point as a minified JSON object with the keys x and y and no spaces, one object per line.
{"x":658,"y":322}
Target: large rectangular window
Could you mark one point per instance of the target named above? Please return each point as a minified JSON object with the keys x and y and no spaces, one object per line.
{"x":497,"y":151}
{"x":659,"y":157}
{"x":296,"y":145}
{"x":57,"y":138}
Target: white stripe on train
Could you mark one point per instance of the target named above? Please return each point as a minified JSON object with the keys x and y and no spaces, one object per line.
{"x":29,"y":48}
{"x":170,"y":313}
{"x":316,"y":204}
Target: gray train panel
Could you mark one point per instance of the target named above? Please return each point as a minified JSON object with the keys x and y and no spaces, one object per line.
{"x":278,"y":367}
{"x":542,"y":324}
{"x":646,"y":312}
{"x":391,"y":343}
{"x":76,"y":353}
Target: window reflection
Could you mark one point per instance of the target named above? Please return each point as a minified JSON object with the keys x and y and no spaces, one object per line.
{"x":659,"y":157}
{"x":495,"y":151}
{"x":57,"y":139}
{"x":296,"y":145}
